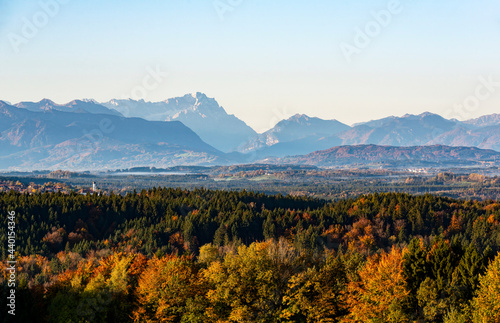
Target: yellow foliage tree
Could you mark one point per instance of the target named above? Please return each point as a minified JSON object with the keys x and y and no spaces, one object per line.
{"x":316,"y":294}
{"x":248,"y":285}
{"x":166,"y":289}
{"x":380,"y":293}
{"x":486,"y":304}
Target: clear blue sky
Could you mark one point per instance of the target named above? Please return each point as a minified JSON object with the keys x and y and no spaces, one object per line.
{"x":264,"y":61}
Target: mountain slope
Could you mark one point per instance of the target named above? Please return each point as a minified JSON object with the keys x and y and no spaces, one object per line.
{"x":53,"y":138}
{"x":485,"y":121}
{"x":296,"y":135}
{"x":200,"y":113}
{"x":484,"y":137}
{"x":301,"y":134}
{"x":408,"y":130}
{"x":78,"y":106}
{"x":436,"y":155}
{"x":426,"y":129}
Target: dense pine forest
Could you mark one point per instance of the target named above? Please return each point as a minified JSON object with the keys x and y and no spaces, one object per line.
{"x":173,"y":255}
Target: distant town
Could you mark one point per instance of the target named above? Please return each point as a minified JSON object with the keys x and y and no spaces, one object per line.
{"x":49,"y":187}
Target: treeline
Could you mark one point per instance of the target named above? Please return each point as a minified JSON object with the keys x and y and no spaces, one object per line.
{"x":216,"y":256}
{"x":267,"y":281}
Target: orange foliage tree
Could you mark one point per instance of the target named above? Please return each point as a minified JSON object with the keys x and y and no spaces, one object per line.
{"x":169,"y":290}
{"x":380,"y":293}
{"x":486,"y":304}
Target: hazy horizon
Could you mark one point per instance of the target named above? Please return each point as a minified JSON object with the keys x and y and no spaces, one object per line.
{"x":277,"y":121}
{"x":261,"y":61}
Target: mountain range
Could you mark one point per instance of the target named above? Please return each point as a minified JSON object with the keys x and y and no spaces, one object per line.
{"x":77,"y":106}
{"x":296,"y":135}
{"x":408,"y":130}
{"x":301,"y":134}
{"x":195,"y":130}
{"x":200,"y":113}
{"x":390,"y":156}
{"x":54,"y":139}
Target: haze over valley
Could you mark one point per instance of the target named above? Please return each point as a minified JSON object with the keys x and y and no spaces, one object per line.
{"x":196,"y":130}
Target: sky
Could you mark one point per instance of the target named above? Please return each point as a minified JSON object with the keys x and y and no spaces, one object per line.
{"x":263,"y":61}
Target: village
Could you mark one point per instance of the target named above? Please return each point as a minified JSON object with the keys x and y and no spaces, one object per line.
{"x":48,"y":187}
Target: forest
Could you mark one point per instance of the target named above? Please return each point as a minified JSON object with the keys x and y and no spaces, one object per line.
{"x":327,"y":184}
{"x":177,"y":255}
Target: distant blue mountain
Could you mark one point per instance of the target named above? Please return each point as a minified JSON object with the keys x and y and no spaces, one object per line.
{"x":302,"y":135}
{"x":78,"y":106}
{"x":52,"y":139}
{"x":299,"y":134}
{"x":485,"y":121}
{"x":197,"y":111}
{"x":389,"y":156}
{"x":408,"y":130}
{"x":84,"y":134}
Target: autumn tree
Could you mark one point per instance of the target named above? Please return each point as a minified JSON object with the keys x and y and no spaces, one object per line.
{"x":169,"y":291}
{"x":96,"y":292}
{"x":486,"y":304}
{"x":316,"y":295}
{"x":380,"y":293}
{"x":249,"y":285}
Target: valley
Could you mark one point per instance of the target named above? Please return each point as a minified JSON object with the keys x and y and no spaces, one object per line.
{"x":308,"y":181}
{"x":194,"y":130}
